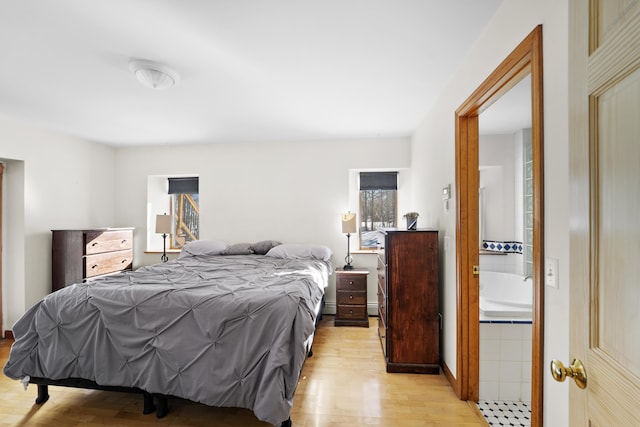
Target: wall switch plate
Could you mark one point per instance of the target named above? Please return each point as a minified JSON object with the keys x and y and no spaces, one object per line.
{"x":446,"y":192}
{"x":551,"y":272}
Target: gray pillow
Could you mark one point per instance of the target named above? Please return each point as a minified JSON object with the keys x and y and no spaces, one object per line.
{"x":264,"y":246}
{"x":238,"y":249}
{"x":297,"y":250}
{"x":203,"y":247}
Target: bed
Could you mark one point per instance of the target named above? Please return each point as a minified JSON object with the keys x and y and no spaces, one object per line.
{"x":225,"y":328}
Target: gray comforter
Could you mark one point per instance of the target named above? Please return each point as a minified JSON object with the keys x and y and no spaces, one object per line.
{"x":220,"y":330}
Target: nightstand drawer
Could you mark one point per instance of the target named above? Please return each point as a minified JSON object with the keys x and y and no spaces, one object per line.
{"x":355,"y":312}
{"x":351,"y":281}
{"x":352,"y":297}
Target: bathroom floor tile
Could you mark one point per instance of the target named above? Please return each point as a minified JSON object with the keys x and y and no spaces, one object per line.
{"x":503,"y":413}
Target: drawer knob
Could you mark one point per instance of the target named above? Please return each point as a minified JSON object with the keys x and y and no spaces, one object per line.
{"x":124,"y":260}
{"x":94,"y":266}
{"x":350,"y":311}
{"x":350,"y":296}
{"x":94,"y":244}
{"x":351,"y":282}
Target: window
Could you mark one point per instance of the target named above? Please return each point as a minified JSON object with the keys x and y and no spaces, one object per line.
{"x":186,"y":210}
{"x":179,"y":197}
{"x":378,"y":205}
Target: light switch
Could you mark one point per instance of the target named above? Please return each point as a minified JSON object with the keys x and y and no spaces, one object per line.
{"x":446,"y":192}
{"x":551,"y":272}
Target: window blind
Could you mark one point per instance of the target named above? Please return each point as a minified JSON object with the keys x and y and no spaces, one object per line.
{"x":186,"y":185}
{"x":378,"y":180}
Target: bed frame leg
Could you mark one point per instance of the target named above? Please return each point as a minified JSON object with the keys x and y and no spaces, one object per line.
{"x":43,"y":394}
{"x":148,"y":406}
{"x":286,"y":423}
{"x":163,"y":407}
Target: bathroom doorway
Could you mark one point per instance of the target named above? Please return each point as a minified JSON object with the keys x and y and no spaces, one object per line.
{"x":524,"y":62}
{"x":506,"y":256}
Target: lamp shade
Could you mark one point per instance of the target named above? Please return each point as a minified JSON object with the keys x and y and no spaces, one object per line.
{"x":163,"y":224}
{"x":349,"y":222}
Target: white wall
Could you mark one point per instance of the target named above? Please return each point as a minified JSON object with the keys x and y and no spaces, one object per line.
{"x":496,"y":160}
{"x":433,"y":166}
{"x":51,"y":181}
{"x":288,"y":191}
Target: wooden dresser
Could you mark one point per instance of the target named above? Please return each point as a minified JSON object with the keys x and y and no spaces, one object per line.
{"x":351,"y":298}
{"x":81,"y":255}
{"x":409,"y":318}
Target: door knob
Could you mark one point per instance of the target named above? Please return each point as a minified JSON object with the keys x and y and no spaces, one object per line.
{"x":575,"y":371}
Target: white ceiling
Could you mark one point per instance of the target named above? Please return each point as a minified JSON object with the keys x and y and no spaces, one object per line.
{"x":250,"y":70}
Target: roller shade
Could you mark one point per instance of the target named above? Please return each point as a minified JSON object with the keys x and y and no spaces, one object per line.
{"x":187,"y":185}
{"x":378,"y":180}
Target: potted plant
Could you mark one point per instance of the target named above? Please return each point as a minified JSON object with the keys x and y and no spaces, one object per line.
{"x":412,"y":220}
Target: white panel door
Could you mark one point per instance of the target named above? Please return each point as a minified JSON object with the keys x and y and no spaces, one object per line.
{"x":605,"y":217}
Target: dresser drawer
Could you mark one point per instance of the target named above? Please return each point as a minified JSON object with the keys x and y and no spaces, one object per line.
{"x":382,"y":309}
{"x":351,"y":282}
{"x":98,"y":241}
{"x":352,"y":297}
{"x":382,"y":334}
{"x":355,"y":312}
{"x":110,"y":262}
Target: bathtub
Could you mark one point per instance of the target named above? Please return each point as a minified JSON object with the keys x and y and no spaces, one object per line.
{"x":505,"y":296}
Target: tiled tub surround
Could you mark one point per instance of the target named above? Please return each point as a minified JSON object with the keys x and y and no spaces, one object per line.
{"x":505,"y":361}
{"x":506,"y":247}
{"x":505,"y":340}
{"x":505,"y":296}
{"x":502,"y":262}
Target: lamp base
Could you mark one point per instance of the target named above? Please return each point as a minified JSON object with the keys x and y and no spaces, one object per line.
{"x":348,"y":267}
{"x":164,"y":256}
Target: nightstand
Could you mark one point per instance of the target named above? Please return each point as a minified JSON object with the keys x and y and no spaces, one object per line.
{"x":351,"y":298}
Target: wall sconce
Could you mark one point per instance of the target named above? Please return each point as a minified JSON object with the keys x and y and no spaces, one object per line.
{"x":163,"y":225}
{"x":348,"y":227}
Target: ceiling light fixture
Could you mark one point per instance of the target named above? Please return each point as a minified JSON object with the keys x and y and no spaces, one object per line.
{"x":153,"y":74}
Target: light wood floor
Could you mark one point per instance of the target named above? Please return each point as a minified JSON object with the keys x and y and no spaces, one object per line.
{"x":343,"y":384}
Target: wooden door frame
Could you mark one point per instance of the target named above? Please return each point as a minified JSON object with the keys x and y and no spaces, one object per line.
{"x":526,"y":59}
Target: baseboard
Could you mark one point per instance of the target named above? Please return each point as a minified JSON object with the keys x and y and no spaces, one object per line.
{"x":450,"y":377}
{"x":329,"y":307}
{"x":8,"y":334}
